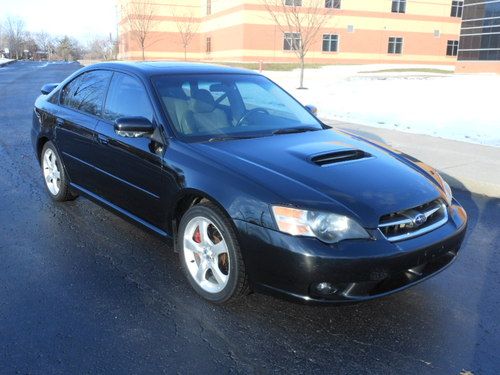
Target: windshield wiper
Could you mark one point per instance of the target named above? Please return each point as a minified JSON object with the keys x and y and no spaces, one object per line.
{"x":228,"y":138}
{"x":295,"y":130}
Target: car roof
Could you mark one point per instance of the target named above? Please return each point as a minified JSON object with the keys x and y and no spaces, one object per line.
{"x":150,"y":68}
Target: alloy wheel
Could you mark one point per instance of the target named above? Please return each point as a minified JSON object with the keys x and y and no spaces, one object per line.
{"x":51,"y":171}
{"x":206,"y":255}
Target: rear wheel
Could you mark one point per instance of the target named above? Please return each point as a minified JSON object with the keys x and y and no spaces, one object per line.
{"x":54,"y":175}
{"x":210,"y":254}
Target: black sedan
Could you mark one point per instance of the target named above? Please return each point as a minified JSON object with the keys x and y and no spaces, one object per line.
{"x":253,"y":190}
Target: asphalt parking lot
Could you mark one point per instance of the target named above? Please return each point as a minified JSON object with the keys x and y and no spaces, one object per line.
{"x":82,"y":291}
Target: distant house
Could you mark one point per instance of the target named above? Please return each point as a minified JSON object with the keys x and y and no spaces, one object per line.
{"x":40,"y":55}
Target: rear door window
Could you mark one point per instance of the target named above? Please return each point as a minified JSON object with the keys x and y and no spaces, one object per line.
{"x":86,"y":92}
{"x":127,"y":97}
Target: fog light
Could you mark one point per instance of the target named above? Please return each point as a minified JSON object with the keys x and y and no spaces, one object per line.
{"x":325,"y":288}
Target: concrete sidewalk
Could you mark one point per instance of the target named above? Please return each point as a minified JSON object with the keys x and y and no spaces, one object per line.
{"x":463,"y":165}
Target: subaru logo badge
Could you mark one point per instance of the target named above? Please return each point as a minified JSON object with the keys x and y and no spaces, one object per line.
{"x":419,"y":219}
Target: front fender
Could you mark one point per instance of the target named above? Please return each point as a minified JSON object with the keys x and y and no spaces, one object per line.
{"x":242,"y":198}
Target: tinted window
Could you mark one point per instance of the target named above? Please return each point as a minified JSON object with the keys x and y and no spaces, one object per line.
{"x":86,"y":92}
{"x":127,"y":97}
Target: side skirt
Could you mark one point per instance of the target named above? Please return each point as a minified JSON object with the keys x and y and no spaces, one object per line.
{"x":120,"y":211}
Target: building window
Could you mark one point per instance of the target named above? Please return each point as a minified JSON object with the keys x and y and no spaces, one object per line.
{"x":292,"y":41}
{"x":457,"y":8}
{"x":350,"y":28}
{"x":209,"y":45}
{"x":330,"y":43}
{"x":395,"y":45}
{"x":452,"y":48}
{"x":480,"y":35}
{"x":335,"y":4}
{"x":437,"y":33}
{"x":209,"y":7}
{"x":293,"y":3}
{"x":398,"y":6}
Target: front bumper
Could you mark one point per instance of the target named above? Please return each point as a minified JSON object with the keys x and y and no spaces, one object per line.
{"x":359,"y":270}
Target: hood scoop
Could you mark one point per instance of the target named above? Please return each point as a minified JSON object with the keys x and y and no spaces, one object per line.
{"x":340,"y":156}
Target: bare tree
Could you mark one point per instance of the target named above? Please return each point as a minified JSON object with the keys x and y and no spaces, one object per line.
{"x":139,"y":16}
{"x":46,"y":43}
{"x":300,"y":23}
{"x":1,"y":40}
{"x":188,"y":25}
{"x":29,"y":44}
{"x":101,"y":48}
{"x":14,"y":28}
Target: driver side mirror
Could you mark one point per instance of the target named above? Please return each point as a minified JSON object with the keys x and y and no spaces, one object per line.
{"x":312,"y":109}
{"x":133,"y":127}
{"x":48,"y":88}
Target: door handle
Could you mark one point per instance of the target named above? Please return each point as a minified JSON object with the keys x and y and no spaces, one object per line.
{"x":102,"y":139}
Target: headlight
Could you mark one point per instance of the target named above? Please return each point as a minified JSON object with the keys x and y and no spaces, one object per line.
{"x":448,"y":192}
{"x":326,"y":227}
{"x":446,"y":187}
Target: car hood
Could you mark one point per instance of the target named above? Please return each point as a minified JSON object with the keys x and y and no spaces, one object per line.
{"x":379,"y":182}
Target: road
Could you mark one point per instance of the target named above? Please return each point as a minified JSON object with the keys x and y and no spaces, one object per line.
{"x":82,"y":291}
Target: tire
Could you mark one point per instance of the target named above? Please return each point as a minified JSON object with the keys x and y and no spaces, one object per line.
{"x":211,"y":259}
{"x":54,"y":175}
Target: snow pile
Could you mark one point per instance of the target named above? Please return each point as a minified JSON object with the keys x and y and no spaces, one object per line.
{"x":4,"y":61}
{"x":453,"y":106}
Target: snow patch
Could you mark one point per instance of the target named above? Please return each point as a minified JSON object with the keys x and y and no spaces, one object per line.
{"x":454,"y":106}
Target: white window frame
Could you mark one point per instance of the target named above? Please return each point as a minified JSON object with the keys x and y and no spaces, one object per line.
{"x":333,"y":4}
{"x":454,"y":47}
{"x":395,"y":43}
{"x":292,"y":37}
{"x":457,"y":7}
{"x":400,"y":7}
{"x":330,"y":43}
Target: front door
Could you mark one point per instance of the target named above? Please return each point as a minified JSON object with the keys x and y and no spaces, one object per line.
{"x":130,"y":168}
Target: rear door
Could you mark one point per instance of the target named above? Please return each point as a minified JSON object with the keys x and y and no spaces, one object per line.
{"x":81,"y":104}
{"x":130,"y":168}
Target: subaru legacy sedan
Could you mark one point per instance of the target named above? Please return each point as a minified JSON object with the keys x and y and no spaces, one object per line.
{"x":253,"y":191}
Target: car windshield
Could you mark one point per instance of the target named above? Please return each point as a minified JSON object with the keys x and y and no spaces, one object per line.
{"x":228,"y":106}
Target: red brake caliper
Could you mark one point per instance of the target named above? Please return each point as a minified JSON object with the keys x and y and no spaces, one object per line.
{"x":197,"y":235}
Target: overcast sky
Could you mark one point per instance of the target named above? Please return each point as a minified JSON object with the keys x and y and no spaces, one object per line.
{"x":80,"y":19}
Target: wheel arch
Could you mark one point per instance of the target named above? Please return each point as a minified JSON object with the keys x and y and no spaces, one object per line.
{"x":186,"y":199}
{"x":39,"y":146}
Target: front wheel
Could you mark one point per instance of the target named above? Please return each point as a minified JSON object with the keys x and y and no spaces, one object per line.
{"x":56,"y":180}
{"x":210,"y":254}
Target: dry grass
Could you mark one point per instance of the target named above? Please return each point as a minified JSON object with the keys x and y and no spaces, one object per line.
{"x":412,"y":70}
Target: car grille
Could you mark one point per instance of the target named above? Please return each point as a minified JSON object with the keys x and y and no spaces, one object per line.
{"x":414,"y":222}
